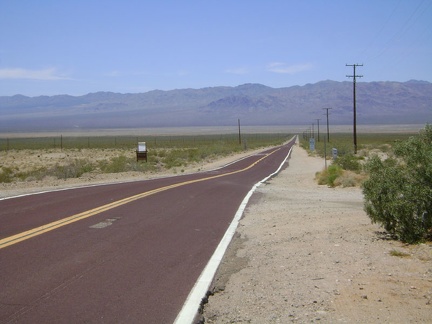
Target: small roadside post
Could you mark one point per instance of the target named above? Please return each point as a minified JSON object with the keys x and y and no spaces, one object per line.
{"x":334,"y":153}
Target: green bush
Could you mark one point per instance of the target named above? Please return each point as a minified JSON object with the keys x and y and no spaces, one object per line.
{"x":398,"y":193}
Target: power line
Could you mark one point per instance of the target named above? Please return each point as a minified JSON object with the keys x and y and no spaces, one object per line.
{"x":406,"y":26}
{"x":377,"y":34}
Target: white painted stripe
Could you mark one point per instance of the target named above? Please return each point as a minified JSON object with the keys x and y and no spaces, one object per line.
{"x":192,"y":303}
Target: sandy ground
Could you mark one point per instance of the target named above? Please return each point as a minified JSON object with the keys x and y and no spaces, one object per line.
{"x":302,"y":252}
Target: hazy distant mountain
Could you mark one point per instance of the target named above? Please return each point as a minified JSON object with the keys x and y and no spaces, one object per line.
{"x":254,"y":104}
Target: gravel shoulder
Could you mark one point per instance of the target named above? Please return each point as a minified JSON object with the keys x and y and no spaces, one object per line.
{"x":306,"y":253}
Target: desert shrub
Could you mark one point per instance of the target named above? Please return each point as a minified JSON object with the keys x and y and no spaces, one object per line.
{"x":124,"y":164}
{"x":348,"y":162}
{"x":116,"y":164}
{"x":398,"y":253}
{"x":348,"y":179}
{"x":73,"y":169}
{"x":172,"y":161}
{"x":328,"y":177}
{"x":161,"y":153}
{"x":6,"y":174}
{"x":385,"y":147}
{"x":35,"y":174}
{"x":193,"y":155}
{"x":179,"y":157}
{"x":398,"y":192}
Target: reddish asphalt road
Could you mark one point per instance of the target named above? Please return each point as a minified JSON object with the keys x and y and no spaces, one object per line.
{"x":131,"y":262}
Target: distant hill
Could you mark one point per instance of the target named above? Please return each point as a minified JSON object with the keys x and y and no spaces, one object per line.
{"x":255,"y":104}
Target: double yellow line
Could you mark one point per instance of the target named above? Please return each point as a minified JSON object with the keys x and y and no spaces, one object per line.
{"x":11,"y":240}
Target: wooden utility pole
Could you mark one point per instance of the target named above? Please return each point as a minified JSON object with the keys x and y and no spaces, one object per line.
{"x":328,"y":134}
{"x":354,"y":76}
{"x":318,"y":119}
{"x":239,"y":133}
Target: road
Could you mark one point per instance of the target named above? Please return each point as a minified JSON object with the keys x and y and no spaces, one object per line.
{"x":122,"y":253}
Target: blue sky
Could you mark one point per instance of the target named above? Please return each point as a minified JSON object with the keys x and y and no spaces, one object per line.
{"x":127,"y":46}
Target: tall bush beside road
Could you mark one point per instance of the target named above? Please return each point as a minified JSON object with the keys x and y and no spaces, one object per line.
{"x":398,"y":192}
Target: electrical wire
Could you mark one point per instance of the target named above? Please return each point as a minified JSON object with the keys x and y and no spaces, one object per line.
{"x":405,"y":27}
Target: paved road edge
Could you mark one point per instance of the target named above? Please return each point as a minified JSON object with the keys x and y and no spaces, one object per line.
{"x":199,"y":291}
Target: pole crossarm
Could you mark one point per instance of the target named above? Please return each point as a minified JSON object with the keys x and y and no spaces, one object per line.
{"x":354,"y":76}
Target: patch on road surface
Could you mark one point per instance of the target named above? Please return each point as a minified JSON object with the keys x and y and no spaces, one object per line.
{"x":107,"y":222}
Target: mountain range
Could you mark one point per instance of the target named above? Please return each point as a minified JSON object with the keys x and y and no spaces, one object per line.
{"x":254,"y":104}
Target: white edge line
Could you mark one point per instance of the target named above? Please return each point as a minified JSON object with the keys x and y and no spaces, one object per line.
{"x":193,"y":301}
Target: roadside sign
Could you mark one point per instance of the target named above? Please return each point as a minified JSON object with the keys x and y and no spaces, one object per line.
{"x":141,"y":151}
{"x":312,"y":144}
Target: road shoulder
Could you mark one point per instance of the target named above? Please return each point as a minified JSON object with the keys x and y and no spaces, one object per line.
{"x":305,"y":252}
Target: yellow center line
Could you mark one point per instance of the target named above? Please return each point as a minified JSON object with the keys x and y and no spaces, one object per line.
{"x":74,"y":218}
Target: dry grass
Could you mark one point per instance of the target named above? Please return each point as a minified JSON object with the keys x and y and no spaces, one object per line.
{"x":350,"y":179}
{"x":400,"y":254}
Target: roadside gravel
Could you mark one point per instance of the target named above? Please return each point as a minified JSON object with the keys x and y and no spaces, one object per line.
{"x":309,"y":253}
